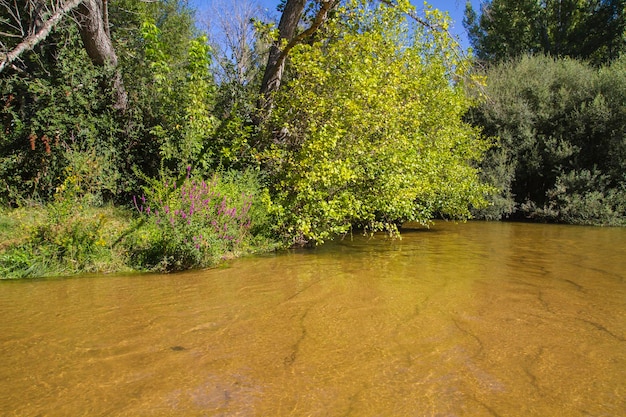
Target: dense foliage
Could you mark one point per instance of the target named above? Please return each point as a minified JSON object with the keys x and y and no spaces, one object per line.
{"x":58,"y":109}
{"x":370,"y":129}
{"x":562,"y":130}
{"x":55,"y":115}
{"x":370,"y":118}
{"x":67,"y":152}
{"x":196,"y":222}
{"x":588,"y":29}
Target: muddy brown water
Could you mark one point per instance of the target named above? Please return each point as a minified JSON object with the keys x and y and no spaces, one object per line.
{"x":476,"y":319}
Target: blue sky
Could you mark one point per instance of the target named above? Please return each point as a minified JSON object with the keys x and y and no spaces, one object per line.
{"x":454,"y":7}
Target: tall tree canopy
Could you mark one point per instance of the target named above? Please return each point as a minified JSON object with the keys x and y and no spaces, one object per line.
{"x":589,"y":29}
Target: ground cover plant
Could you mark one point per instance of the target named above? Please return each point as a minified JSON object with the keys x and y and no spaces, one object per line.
{"x":171,"y":227}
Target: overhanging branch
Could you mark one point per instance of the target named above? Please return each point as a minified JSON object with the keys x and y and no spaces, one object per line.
{"x":31,"y":41}
{"x":320,"y":18}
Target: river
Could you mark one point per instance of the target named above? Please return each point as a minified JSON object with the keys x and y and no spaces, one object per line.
{"x":475,"y":319}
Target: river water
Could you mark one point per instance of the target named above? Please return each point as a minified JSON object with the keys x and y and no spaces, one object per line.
{"x":475,"y":319}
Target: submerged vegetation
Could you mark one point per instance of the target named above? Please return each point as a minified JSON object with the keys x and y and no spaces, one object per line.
{"x":178,"y":152}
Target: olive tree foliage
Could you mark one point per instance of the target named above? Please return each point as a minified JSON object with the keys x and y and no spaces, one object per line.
{"x":370,"y":128}
{"x":593,"y":30}
{"x":562,"y":147}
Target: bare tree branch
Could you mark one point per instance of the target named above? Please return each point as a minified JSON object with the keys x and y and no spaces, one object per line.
{"x":233,"y":39}
{"x":92,"y":19}
{"x":32,"y":40}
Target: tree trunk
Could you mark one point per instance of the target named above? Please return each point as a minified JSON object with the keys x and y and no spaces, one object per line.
{"x":287,"y":39}
{"x":92,"y":16}
{"x":276,"y":61}
{"x":94,"y":35}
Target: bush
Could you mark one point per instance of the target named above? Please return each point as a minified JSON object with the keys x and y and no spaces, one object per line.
{"x":583,"y":197}
{"x":196,"y":222}
{"x":560,"y":123}
{"x":53,"y":113}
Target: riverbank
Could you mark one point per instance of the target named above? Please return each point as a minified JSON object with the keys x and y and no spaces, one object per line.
{"x":66,"y":238}
{"x":62,"y":240}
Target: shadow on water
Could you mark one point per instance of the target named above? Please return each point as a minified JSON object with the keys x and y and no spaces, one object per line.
{"x":476,"y":319}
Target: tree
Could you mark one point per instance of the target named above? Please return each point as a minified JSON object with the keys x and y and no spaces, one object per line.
{"x":562,"y":145}
{"x":42,"y":16}
{"x":95,"y":35}
{"x":240,"y":40}
{"x":587,"y":29}
{"x":288,"y":37}
{"x":57,"y":107}
{"x":504,"y":28}
{"x":371,"y":128}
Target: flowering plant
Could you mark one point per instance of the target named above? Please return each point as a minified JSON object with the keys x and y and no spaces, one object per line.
{"x":190,"y":224}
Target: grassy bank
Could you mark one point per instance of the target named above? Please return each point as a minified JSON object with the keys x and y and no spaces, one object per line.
{"x":195,"y":223}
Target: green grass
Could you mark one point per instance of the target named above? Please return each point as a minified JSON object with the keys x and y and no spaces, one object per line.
{"x":39,"y":241}
{"x":48,"y":241}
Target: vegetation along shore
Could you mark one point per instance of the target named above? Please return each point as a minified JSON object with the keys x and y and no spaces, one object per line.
{"x":133,"y":140}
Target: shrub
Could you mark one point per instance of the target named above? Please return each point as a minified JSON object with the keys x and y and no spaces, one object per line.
{"x":583,"y":197}
{"x":560,"y":123}
{"x":196,"y":222}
